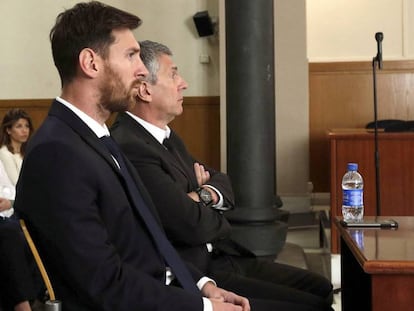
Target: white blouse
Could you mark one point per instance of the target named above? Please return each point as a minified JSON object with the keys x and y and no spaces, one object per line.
{"x":7,"y":190}
{"x":12,"y":163}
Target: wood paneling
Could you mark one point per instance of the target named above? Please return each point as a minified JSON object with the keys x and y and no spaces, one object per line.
{"x":396,"y":171}
{"x":377,"y":268}
{"x":199,"y":125}
{"x":341,"y":96}
{"x":36,"y":108}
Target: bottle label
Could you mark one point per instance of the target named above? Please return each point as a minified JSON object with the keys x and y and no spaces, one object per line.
{"x":352,"y":197}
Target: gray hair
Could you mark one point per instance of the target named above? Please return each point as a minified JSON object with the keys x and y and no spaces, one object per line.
{"x":150,"y":53}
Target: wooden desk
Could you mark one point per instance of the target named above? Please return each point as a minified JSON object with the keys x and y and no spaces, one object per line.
{"x":377,"y":267}
{"x":396,"y":153}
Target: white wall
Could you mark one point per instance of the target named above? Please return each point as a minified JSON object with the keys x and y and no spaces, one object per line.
{"x":344,"y":30}
{"x":26,"y":64}
{"x":292,"y":108}
{"x":320,"y":30}
{"x":171,"y":23}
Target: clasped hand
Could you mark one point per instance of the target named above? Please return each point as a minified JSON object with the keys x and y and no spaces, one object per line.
{"x":203,"y":176}
{"x":223,"y":300}
{"x":5,"y":204}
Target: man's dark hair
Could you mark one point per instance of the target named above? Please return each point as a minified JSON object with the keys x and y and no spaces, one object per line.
{"x":88,"y":24}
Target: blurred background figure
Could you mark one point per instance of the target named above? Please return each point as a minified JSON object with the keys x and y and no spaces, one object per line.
{"x":7,"y":194}
{"x":16,"y":128}
{"x":20,"y":282}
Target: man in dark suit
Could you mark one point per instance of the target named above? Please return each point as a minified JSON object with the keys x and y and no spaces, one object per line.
{"x":191,"y":198}
{"x":90,"y":216}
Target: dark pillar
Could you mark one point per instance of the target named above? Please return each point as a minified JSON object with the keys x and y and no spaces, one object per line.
{"x":250,"y":89}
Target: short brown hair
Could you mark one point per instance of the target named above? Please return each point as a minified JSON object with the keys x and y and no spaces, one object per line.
{"x":88,"y":24}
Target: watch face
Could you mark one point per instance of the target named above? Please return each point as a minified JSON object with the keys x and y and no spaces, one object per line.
{"x":205,"y":196}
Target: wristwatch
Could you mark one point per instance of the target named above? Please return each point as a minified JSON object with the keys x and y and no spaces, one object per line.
{"x":205,"y":196}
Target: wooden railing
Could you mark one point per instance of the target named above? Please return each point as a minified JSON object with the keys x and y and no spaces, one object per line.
{"x":199,"y":125}
{"x":341,"y":96}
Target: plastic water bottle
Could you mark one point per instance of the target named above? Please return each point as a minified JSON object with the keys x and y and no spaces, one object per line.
{"x":352,"y":194}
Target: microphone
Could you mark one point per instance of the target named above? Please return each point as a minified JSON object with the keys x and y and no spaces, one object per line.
{"x":379,"y":36}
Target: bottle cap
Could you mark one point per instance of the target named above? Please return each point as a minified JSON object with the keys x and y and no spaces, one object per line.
{"x":352,"y":166}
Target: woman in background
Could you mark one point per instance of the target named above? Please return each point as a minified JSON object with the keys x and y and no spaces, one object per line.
{"x":20,"y":281}
{"x":16,"y":129}
{"x":7,"y":194}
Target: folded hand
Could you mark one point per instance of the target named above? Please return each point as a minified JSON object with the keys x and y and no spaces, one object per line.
{"x":224,"y":300}
{"x":5,"y":204}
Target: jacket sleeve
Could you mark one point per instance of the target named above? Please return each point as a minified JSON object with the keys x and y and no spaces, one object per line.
{"x":186,"y":222}
{"x":218,"y":180}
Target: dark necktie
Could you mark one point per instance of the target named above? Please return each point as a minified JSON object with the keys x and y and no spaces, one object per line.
{"x":185,"y":168}
{"x":164,"y":246}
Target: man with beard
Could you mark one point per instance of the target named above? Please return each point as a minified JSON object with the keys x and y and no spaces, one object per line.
{"x":89,"y":214}
{"x":190,"y":197}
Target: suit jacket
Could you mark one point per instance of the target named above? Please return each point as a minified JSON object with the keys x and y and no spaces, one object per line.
{"x":188,"y":224}
{"x":95,"y":246}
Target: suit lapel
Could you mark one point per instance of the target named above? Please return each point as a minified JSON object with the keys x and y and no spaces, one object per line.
{"x":141,"y":133}
{"x":180,"y":160}
{"x":68,"y":117}
{"x":85,"y":133}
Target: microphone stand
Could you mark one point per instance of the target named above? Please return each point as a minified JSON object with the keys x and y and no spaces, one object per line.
{"x":376,"y":61}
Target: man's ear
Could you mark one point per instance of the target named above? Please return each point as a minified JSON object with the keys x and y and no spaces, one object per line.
{"x":145,"y":91}
{"x":89,"y":62}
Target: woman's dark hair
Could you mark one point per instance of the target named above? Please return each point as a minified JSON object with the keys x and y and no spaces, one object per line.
{"x":86,"y":25}
{"x":10,"y":118}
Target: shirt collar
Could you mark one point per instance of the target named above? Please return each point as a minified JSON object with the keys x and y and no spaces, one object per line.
{"x":98,"y":129}
{"x":158,"y":133}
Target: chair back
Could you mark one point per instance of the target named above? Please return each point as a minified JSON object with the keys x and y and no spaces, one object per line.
{"x":52,"y":304}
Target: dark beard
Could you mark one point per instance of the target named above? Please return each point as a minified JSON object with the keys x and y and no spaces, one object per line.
{"x":115,"y":97}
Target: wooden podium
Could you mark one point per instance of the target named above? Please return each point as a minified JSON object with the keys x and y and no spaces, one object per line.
{"x":396,"y":172}
{"x":377,"y":267}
